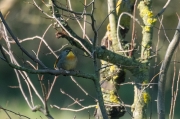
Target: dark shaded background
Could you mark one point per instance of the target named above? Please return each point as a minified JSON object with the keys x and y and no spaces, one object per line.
{"x":26,"y":21}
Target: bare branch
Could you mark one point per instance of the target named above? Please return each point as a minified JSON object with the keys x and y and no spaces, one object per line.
{"x":163,"y":9}
{"x":162,"y":77}
{"x":74,"y":110}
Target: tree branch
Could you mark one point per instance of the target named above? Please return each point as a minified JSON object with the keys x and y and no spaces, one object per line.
{"x":164,"y":68}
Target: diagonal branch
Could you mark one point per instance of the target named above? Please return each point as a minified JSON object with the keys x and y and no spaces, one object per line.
{"x":164,"y":68}
{"x":17,"y":42}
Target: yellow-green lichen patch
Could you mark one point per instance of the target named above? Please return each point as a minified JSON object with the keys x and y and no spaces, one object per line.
{"x":146,"y":97}
{"x":113,"y":97}
{"x":151,"y":21}
{"x":147,"y":15}
{"x":146,"y":28}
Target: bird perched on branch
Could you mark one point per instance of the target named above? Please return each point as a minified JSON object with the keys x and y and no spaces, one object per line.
{"x":67,"y":60}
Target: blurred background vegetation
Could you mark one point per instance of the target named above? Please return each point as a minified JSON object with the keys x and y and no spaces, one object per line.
{"x":26,"y":21}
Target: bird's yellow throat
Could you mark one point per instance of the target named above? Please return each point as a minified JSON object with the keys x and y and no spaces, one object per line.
{"x":70,"y":56}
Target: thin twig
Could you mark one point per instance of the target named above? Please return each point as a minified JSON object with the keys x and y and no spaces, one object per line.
{"x":172,"y":89}
{"x":161,"y":24}
{"x":75,"y":101}
{"x":58,"y":49}
{"x":50,"y":90}
{"x":86,"y":93}
{"x":176,"y":93}
{"x":74,"y":110}
{"x":133,"y":28}
{"x":123,"y":13}
{"x":42,"y":40}
{"x":6,"y":110}
{"x":163,"y":9}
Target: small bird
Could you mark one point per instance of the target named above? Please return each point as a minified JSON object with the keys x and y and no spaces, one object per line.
{"x":67,"y":60}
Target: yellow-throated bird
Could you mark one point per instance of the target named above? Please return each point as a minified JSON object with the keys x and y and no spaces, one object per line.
{"x":67,"y":60}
